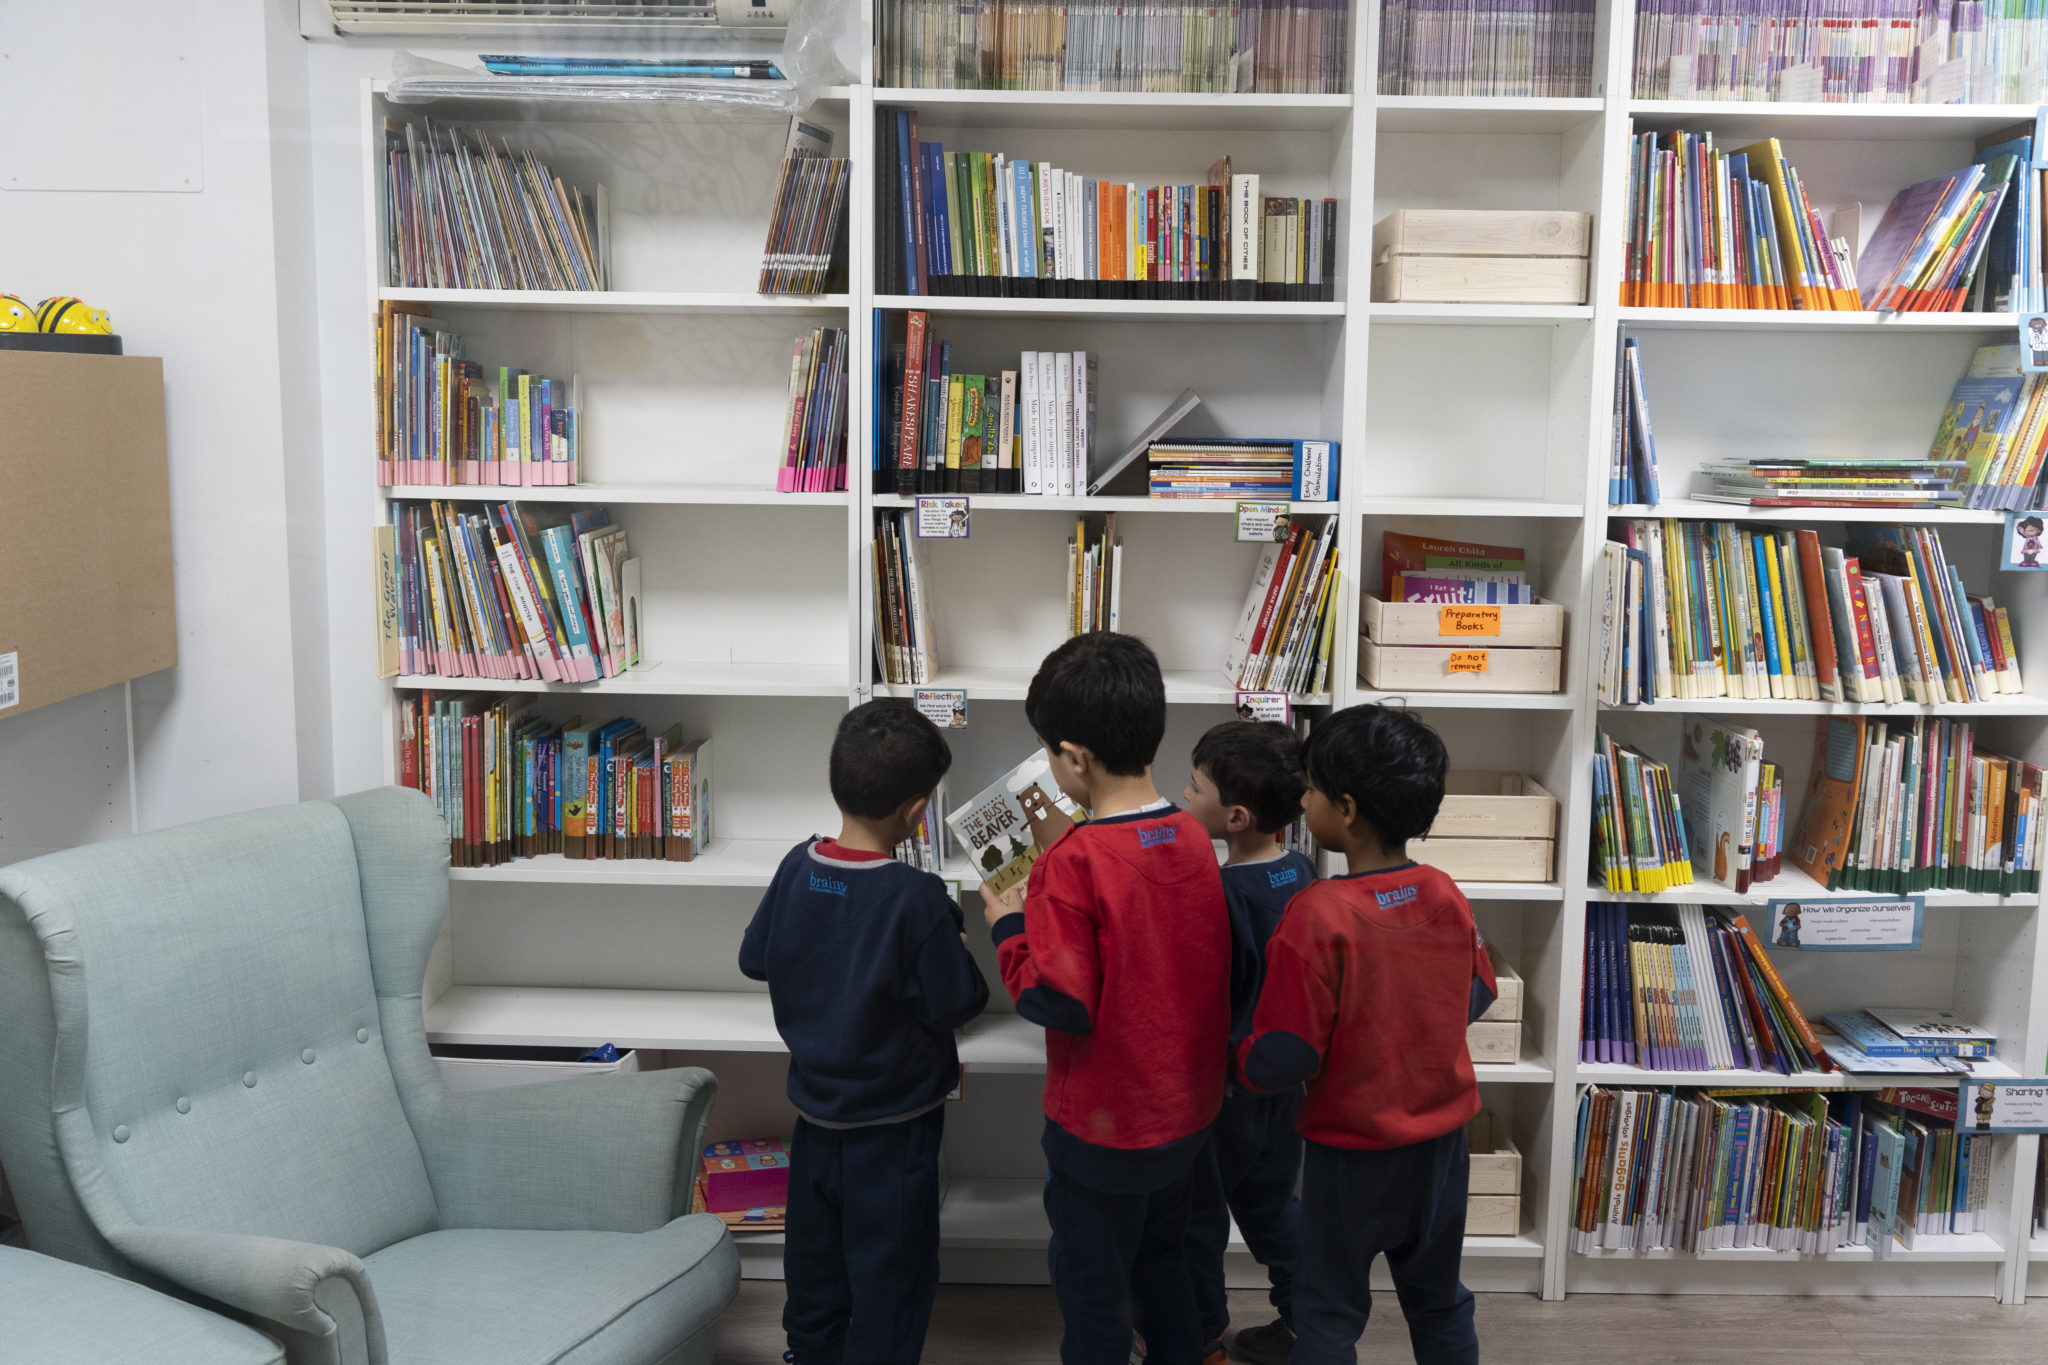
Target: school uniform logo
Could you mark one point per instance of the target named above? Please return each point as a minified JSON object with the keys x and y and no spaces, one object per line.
{"x":828,"y":885}
{"x":1155,"y":834}
{"x":1286,"y":876}
{"x":1400,"y":895}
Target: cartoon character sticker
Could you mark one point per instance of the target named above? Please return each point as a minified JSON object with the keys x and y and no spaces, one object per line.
{"x":2023,"y":541}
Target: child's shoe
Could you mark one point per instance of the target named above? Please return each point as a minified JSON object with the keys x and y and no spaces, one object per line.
{"x":1216,"y":1353}
{"x":1268,"y":1345}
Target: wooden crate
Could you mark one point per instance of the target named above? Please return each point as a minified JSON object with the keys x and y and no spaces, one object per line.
{"x":1479,"y":279}
{"x":1507,"y":999}
{"x":1491,"y":805}
{"x":1487,"y":860}
{"x":1482,"y":232}
{"x":1538,"y":624}
{"x":1493,"y":1215}
{"x":1494,"y":1044}
{"x":1496,"y":1161}
{"x":1423,"y":668}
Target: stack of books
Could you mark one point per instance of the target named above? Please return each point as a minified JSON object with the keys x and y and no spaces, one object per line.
{"x":813,"y":456}
{"x":1847,"y":52}
{"x":1794,"y":1171}
{"x":512,"y":592}
{"x":1289,"y":623}
{"x":1299,"y":471}
{"x":1639,"y":833}
{"x":1095,"y":575}
{"x":1714,"y":609}
{"x":1425,"y":569}
{"x":461,"y":213}
{"x":1876,"y":484}
{"x":1735,"y":803}
{"x":443,"y":419}
{"x":904,"y":651}
{"x":1278,"y":47}
{"x":1713,"y":229}
{"x":1905,"y":1041}
{"x":989,"y":225}
{"x":806,"y":251}
{"x":1542,"y":48}
{"x":1996,"y":425}
{"x":1688,"y":988}
{"x":1905,"y":806}
{"x":513,"y":784}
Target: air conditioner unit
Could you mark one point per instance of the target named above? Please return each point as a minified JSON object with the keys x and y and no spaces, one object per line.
{"x":558,"y":18}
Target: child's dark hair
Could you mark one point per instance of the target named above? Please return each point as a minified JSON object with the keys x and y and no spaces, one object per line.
{"x":2025,"y":522}
{"x":1388,"y":762}
{"x":1255,"y":764}
{"x":1103,"y":692}
{"x":884,"y":754}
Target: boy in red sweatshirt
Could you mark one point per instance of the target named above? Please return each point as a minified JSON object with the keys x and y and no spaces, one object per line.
{"x":1120,"y":946}
{"x":1371,"y":979}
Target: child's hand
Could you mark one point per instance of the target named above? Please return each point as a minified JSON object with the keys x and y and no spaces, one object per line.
{"x":994,"y":907}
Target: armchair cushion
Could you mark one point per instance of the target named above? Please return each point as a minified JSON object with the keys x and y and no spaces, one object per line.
{"x":56,"y":1313}
{"x":553,"y":1298}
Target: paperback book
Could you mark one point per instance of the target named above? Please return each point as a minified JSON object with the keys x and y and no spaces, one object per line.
{"x":1004,"y":828}
{"x":1286,"y":631}
{"x":1541,"y":48}
{"x":464,"y":212}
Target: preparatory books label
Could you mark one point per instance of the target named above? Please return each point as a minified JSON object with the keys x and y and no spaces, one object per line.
{"x":1874,"y":925}
{"x":1467,"y":661}
{"x":10,"y":679}
{"x":1454,"y":619}
{"x":1265,"y":706}
{"x":1265,"y":523}
{"x":941,"y":518}
{"x":2004,"y":1107}
{"x":945,"y":707}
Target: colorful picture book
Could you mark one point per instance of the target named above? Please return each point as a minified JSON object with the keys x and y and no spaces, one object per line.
{"x":1639,"y":831}
{"x":1793,"y":1171}
{"x":1632,"y":462}
{"x":904,"y":651}
{"x":1276,"y":47}
{"x":1222,"y":467}
{"x":1542,"y":48}
{"x":1095,"y":575}
{"x":1708,"y":228}
{"x":462,"y":212}
{"x":813,"y":458}
{"x":1929,"y":253}
{"x":1002,"y":830}
{"x":1996,"y":425}
{"x":1286,"y":631}
{"x":512,"y":783}
{"x":1688,"y":988}
{"x":1428,"y":569}
{"x":1736,"y":800}
{"x":514,"y":592}
{"x":443,"y":419}
{"x":1850,"y":52}
{"x":1890,"y":1032}
{"x":989,"y":225}
{"x":806,"y":251}
{"x":1911,"y":805}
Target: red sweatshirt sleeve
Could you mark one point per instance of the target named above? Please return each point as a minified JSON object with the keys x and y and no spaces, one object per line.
{"x":1297,"y":1009}
{"x":1051,"y":954}
{"x":1485,"y":989}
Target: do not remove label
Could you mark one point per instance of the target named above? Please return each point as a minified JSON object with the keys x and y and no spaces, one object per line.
{"x":1467,"y":661}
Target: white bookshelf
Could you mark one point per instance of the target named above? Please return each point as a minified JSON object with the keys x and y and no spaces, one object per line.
{"x":1481,"y":422}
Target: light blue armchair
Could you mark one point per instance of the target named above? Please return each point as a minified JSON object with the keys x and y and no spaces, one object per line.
{"x":214,"y":1079}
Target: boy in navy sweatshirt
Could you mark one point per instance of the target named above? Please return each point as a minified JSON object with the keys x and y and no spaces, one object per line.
{"x":1370,"y":981}
{"x":1245,"y":788}
{"x":869,"y":974}
{"x":1119,"y":945}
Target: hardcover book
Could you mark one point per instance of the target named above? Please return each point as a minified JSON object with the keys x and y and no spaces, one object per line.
{"x":1005,"y":826}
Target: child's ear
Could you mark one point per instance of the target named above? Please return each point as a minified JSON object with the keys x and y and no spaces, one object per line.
{"x":911,"y":811}
{"x":1238,"y":821}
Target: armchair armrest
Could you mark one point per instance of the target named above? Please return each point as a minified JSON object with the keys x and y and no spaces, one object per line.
{"x":318,"y":1297}
{"x":602,"y":1154}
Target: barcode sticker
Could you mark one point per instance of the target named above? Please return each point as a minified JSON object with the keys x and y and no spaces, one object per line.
{"x":10,"y":679}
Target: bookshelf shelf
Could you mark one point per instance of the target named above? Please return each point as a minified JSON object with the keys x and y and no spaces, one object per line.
{"x":1610,"y":1073}
{"x":678,"y":494}
{"x":1120,"y":310}
{"x":2008,"y":704}
{"x":668,"y":679}
{"x":619,"y":301}
{"x":1012,"y":502}
{"x":1468,"y":701}
{"x":1733,"y":120}
{"x":1123,"y":110}
{"x":1689,"y":510}
{"x":728,"y":862}
{"x":1793,"y":884}
{"x":1009,"y":684}
{"x":1963,"y":1247}
{"x":1477,"y":314}
{"x":1795,"y":320}
{"x":1482,"y":114}
{"x":1465,"y":507}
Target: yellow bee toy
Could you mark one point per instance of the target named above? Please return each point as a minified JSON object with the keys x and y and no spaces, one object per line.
{"x":73,"y":316}
{"x":16,"y":315}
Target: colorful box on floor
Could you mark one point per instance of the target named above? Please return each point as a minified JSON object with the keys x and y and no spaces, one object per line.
{"x":751,"y":1173}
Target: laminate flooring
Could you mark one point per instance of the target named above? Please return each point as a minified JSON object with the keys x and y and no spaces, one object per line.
{"x":1010,"y":1325}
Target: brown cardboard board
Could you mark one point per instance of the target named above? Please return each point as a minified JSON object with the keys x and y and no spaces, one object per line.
{"x":85,"y":524}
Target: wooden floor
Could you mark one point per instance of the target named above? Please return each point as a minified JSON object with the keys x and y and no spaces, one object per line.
{"x":988,"y":1325}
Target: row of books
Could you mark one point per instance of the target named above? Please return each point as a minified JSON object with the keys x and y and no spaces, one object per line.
{"x":986,"y":224}
{"x":1793,"y":1171}
{"x":1737,"y":803}
{"x":1280,"y":47}
{"x":806,"y":251}
{"x":2015,"y":278}
{"x":1224,"y":467}
{"x":513,"y":592}
{"x":1095,"y":575}
{"x":1028,"y":429}
{"x":1710,"y":609}
{"x":461,"y":212}
{"x":1996,"y":425}
{"x":814,"y":419}
{"x":1639,"y":831}
{"x":1427,"y":569}
{"x":904,"y":651}
{"x":1285,"y":633}
{"x":1937,"y":248}
{"x":512,"y":783}
{"x":1542,"y":48}
{"x":1906,"y":806}
{"x":1892,"y":1038}
{"x":1708,"y":228}
{"x":441,"y":420}
{"x":1632,"y":458}
{"x":1688,"y":988}
{"x":1842,"y":51}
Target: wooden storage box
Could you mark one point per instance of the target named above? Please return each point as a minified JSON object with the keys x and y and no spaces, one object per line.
{"x":1496,"y":1161}
{"x":1539,"y":624}
{"x":1486,"y":860}
{"x":1507,"y":1001}
{"x":1391,"y":668}
{"x":1481,"y":256}
{"x":1494,"y":1044}
{"x":1483,"y":232}
{"x":1493,"y":827}
{"x":1479,"y":279}
{"x":1493,"y":1215}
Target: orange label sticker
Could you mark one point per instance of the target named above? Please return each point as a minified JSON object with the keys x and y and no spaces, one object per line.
{"x":1468,"y":661}
{"x":1463,"y":620}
